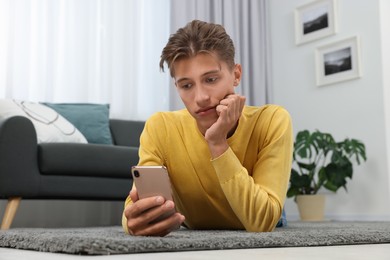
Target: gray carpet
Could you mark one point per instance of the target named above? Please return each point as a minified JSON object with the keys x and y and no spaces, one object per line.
{"x":112,"y":240}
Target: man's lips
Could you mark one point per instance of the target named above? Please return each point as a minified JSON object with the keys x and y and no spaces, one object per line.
{"x":205,"y":110}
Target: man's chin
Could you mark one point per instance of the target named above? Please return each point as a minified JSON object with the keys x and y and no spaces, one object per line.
{"x":206,"y":124}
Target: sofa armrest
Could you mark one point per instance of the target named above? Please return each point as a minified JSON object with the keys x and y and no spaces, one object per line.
{"x":19,"y":174}
{"x":126,"y":132}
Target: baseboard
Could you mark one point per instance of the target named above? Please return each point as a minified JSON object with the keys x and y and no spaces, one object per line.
{"x":352,"y":217}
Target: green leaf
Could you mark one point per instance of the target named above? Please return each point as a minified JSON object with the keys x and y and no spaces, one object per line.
{"x":322,"y":177}
{"x":324,"y":142}
{"x":303,"y":144}
{"x":336,"y":175}
{"x":330,"y":186}
{"x":306,"y":166}
{"x":291,"y":192}
{"x":300,"y":184}
{"x":355,"y":148}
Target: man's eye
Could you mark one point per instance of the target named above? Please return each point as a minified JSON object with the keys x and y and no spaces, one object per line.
{"x":186,"y":86}
{"x":211,"y":80}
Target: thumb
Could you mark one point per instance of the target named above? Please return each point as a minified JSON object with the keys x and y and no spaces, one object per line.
{"x":134,"y":194}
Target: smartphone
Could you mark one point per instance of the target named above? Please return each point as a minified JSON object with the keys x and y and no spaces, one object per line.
{"x":153,"y":181}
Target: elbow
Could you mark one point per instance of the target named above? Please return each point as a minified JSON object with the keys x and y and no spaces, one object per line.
{"x":267,"y":219}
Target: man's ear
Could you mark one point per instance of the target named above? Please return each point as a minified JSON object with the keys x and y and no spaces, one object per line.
{"x":237,"y":74}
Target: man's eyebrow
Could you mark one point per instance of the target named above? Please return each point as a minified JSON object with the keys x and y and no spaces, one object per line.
{"x":210,"y":72}
{"x":181,"y":79}
{"x":204,"y":74}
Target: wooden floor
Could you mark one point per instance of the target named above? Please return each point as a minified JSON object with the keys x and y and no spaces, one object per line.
{"x":376,"y":251}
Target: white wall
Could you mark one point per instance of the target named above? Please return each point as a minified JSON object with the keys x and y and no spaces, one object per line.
{"x":354,"y":108}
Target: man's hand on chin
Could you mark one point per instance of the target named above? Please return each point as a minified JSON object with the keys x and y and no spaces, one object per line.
{"x":229,"y":111}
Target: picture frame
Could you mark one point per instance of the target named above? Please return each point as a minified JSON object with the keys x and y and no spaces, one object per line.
{"x":338,"y":61}
{"x":315,"y":20}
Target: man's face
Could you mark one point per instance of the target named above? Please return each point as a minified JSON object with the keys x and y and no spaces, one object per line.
{"x":202,"y":82}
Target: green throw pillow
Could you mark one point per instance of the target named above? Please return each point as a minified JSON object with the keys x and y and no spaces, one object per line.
{"x":92,"y":120}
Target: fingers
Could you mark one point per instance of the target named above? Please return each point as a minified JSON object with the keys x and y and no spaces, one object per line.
{"x":143,"y":217}
{"x":163,"y":227}
{"x":242,"y":102}
{"x":141,"y":206}
{"x":234,"y":99}
{"x":231,"y":107}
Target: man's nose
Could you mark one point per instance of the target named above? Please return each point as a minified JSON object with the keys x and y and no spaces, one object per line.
{"x":201,"y":95}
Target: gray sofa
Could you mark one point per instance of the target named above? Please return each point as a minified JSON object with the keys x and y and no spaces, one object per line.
{"x":73,"y":171}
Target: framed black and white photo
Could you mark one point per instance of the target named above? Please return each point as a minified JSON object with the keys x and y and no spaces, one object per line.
{"x":315,"y":20}
{"x":338,"y":61}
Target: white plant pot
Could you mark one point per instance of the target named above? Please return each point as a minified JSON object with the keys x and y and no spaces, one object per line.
{"x":311,"y":207}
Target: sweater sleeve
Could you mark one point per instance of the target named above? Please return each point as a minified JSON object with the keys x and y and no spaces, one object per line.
{"x":124,"y":219}
{"x":257,"y":198}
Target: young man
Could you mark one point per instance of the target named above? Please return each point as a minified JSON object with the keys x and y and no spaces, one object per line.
{"x":229,"y":163}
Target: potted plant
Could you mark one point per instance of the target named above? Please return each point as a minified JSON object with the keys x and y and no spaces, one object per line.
{"x":321,"y":162}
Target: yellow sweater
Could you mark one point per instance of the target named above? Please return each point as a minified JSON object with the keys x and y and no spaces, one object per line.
{"x":244,"y":188}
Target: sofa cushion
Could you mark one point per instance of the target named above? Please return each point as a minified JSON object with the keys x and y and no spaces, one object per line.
{"x":91,"y":119}
{"x":49,"y":125}
{"x":86,"y":160}
{"x":126,"y":132}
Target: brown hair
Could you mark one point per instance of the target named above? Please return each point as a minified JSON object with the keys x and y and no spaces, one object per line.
{"x":198,"y":37}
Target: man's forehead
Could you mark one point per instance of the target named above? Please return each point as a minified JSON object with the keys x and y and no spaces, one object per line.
{"x":202,"y":63}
